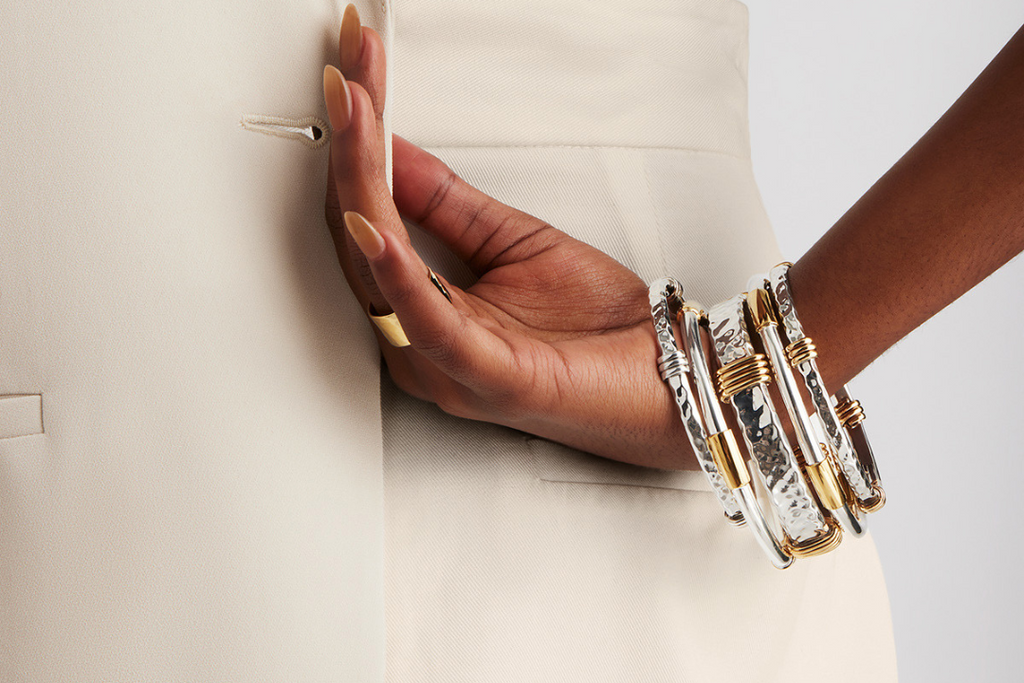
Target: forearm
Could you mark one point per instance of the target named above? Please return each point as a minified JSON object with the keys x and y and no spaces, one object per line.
{"x":947,"y":215}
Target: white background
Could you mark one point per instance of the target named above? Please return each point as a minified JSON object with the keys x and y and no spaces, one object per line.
{"x":838,"y":92}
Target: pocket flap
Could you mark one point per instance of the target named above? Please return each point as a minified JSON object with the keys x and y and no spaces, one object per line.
{"x":21,"y":415}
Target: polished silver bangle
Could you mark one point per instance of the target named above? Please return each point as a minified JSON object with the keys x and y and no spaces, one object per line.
{"x":718,"y":454}
{"x":845,"y":436}
{"x":818,"y":465}
{"x":673,"y":365}
{"x":722,"y":442}
{"x":742,"y":376}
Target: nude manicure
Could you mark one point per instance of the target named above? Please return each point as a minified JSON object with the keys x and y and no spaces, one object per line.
{"x":351,"y":42}
{"x":366,"y":236}
{"x":338,"y":98}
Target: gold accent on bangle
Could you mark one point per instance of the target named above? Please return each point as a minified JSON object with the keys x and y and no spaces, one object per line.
{"x":743,"y":373}
{"x":849,"y":412}
{"x":692,"y":309}
{"x":762,"y":312}
{"x":824,"y":542}
{"x":389,"y":327}
{"x":801,"y":350}
{"x":728,"y":459}
{"x":875,"y":502}
{"x":824,"y":479}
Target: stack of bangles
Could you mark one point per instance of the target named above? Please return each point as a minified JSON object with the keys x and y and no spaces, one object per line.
{"x":817,"y":490}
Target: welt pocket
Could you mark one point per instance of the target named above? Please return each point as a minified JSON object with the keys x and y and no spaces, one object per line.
{"x":20,"y":415}
{"x":557,"y":463}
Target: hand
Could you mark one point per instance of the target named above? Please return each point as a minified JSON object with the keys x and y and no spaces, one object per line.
{"x":554,"y":338}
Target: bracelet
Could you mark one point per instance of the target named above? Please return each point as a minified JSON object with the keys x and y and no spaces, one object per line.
{"x":817,"y":490}
{"x":672,"y":366}
{"x":857,"y":462}
{"x":816,"y":454}
{"x":742,"y":377}
{"x":722,"y":442}
{"x":718,"y":454}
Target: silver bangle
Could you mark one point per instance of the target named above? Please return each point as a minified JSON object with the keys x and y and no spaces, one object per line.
{"x":742,"y":375}
{"x":723,"y":443}
{"x":718,"y":454}
{"x":819,"y":467}
{"x":856,"y":460}
{"x":673,"y":365}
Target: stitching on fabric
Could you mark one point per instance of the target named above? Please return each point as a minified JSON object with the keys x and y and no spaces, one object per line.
{"x":556,"y":146}
{"x":302,"y":129}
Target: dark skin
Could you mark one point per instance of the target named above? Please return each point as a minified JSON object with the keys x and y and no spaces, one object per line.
{"x":555,"y":337}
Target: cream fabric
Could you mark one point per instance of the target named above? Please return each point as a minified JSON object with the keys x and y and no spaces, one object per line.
{"x":191,"y":481}
{"x":204,"y":502}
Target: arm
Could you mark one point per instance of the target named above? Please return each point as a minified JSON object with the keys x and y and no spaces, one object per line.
{"x":946,"y":216}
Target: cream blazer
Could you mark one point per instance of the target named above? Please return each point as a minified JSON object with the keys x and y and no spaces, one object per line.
{"x":190,"y":474}
{"x":191,"y":484}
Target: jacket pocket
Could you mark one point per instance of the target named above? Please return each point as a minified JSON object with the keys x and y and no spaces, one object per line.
{"x":557,"y":463}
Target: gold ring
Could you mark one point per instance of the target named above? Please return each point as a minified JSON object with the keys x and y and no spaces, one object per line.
{"x":389,"y":327}
{"x":440,"y":285}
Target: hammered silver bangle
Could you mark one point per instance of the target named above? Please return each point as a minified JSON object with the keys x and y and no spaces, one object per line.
{"x":717,"y":454}
{"x":818,"y":465}
{"x":722,"y":442}
{"x":742,"y":378}
{"x":840,"y":417}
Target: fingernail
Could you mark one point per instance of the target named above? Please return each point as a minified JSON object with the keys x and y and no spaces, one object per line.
{"x":366,"y":236}
{"x":338,"y":98}
{"x":351,"y":38}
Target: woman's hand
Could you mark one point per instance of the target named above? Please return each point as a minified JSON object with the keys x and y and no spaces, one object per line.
{"x":554,"y":338}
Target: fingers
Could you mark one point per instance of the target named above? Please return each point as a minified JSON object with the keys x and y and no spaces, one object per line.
{"x":362,"y":58}
{"x":437,"y":330}
{"x":357,"y":157}
{"x":356,"y":179}
{"x":480,"y":230}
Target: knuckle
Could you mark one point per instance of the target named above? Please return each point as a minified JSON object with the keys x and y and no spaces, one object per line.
{"x":441,"y":193}
{"x":444,"y":349}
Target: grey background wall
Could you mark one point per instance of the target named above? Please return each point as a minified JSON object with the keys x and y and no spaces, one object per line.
{"x":839,"y":91}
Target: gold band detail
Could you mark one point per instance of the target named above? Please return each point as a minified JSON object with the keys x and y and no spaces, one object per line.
{"x":824,"y":542}
{"x":824,"y":480}
{"x":801,"y":350}
{"x":389,"y":327}
{"x":875,"y":502}
{"x":692,"y":309}
{"x":741,"y":374}
{"x":849,"y":412}
{"x":762,"y":312}
{"x":436,"y":281}
{"x":728,"y":459}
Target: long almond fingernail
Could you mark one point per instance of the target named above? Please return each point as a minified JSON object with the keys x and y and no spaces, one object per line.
{"x":366,"y":236}
{"x":338,"y":98}
{"x":351,"y":42}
